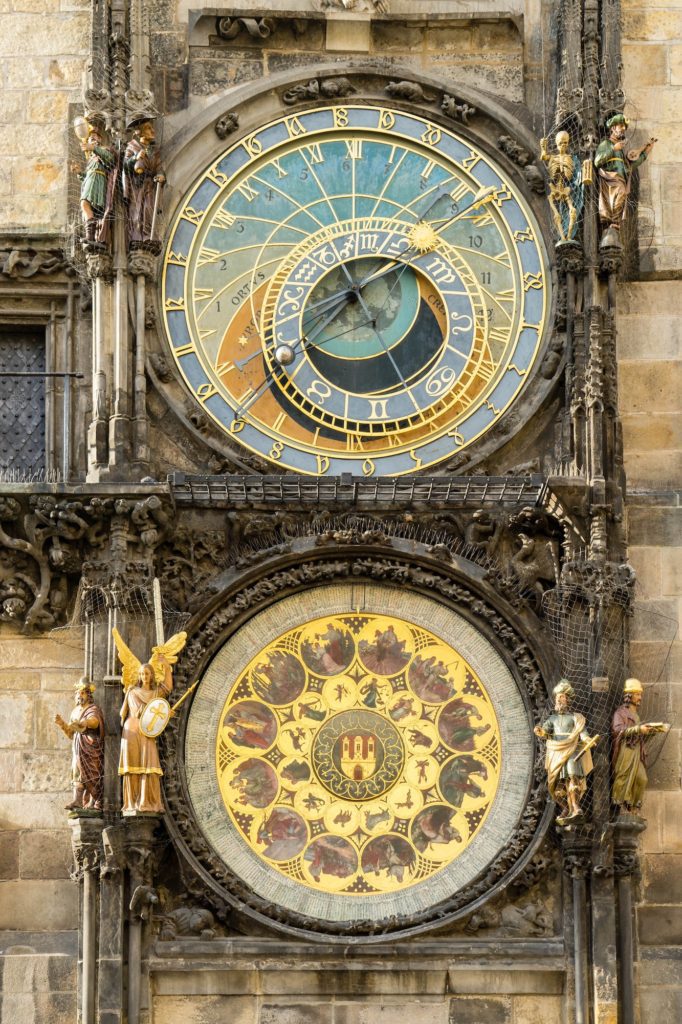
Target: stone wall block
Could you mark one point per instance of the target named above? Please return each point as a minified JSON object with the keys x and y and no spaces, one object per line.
{"x":654,"y":526}
{"x":19,"y":679}
{"x":662,"y":878}
{"x":660,"y":1004}
{"x":47,"y":772}
{"x":646,"y":386}
{"x":45,"y":854}
{"x":48,"y":736}
{"x":39,"y":905}
{"x":38,"y":653}
{"x":204,"y":1010}
{"x":9,"y":855}
{"x":672,"y":823}
{"x":645,"y":64}
{"x":16,"y":720}
{"x":647,"y":564}
{"x":536,"y":1009}
{"x":10,"y":771}
{"x":33,"y":810}
{"x":479,"y":1011}
{"x":387,"y":1013}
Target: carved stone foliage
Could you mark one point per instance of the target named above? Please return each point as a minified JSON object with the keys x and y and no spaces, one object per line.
{"x":392,"y":568}
{"x":46,"y":543}
{"x":188,"y":561}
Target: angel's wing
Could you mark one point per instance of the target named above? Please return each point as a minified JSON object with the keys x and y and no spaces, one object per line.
{"x":170,"y":650}
{"x":131,"y":663}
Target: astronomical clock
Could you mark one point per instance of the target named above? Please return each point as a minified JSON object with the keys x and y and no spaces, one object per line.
{"x":356,"y":289}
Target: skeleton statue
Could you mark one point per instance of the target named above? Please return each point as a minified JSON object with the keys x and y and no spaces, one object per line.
{"x":565,"y":188}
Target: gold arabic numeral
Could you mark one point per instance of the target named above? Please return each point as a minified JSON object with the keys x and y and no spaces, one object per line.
{"x":532,"y":281}
{"x":206,"y":391}
{"x":277,"y":164}
{"x":201,"y":294}
{"x":237,"y":425}
{"x":252,"y":145}
{"x":416,"y":458}
{"x":314,"y":153}
{"x":431,"y":135}
{"x":523,"y":236}
{"x":247,"y":191}
{"x":206,"y":333}
{"x":277,"y":425}
{"x":386,"y":119}
{"x":368,"y":468}
{"x":184,"y":350}
{"x":276,"y":450}
{"x":192,"y":215}
{"x":457,"y":437}
{"x":378,"y":410}
{"x":340,"y":117}
{"x":295,"y":127}
{"x":171,"y":304}
{"x":318,"y":392}
{"x":177,"y":258}
{"x":322,"y":464}
{"x":217,"y":176}
{"x":223,"y":218}
{"x":354,"y":149}
{"x":354,"y":443}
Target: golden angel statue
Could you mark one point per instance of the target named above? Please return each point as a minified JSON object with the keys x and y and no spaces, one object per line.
{"x":144,"y":715}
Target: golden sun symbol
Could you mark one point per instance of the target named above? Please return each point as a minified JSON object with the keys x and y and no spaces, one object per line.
{"x":422,"y":237}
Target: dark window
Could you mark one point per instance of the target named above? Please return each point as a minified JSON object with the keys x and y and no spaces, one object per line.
{"x":22,"y":401}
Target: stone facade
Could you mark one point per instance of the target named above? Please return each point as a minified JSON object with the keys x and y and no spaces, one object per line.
{"x":196,"y":71}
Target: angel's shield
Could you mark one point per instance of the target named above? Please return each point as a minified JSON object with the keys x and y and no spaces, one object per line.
{"x":154,"y":718}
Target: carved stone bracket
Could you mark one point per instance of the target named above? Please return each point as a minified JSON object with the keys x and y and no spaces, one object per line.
{"x":227,"y":124}
{"x":257,"y":28}
{"x":394,"y":568}
{"x":86,"y":844}
{"x":21,"y":264}
{"x":46,"y":543}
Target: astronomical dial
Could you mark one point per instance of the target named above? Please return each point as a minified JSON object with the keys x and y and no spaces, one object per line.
{"x":354,"y":289}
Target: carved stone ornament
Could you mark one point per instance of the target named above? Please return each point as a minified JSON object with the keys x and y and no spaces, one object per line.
{"x":257,"y":28}
{"x":455,"y":110}
{"x":44,"y":545}
{"x":25,"y":263}
{"x":227,"y":124}
{"x":197,"y":855}
{"x":329,"y":88}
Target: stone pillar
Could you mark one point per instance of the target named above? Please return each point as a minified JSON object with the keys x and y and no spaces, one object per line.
{"x":140,"y":848}
{"x":626,"y":831}
{"x":577,"y":862}
{"x":100,"y":270}
{"x":86,"y":839}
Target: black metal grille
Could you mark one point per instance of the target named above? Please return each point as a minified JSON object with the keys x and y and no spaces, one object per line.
{"x":22,"y":402}
{"x":472,"y":491}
